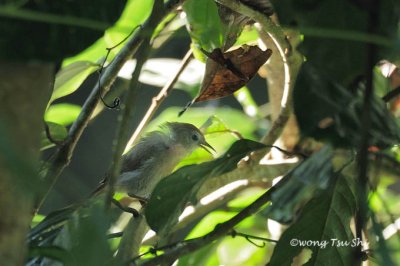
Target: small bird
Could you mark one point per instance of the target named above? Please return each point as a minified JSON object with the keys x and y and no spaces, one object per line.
{"x":144,"y":165}
{"x":155,"y":156}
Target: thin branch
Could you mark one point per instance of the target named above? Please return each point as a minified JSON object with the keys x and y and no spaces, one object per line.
{"x":116,"y":101}
{"x":63,"y":155}
{"x":128,"y":107}
{"x":247,"y":236}
{"x":50,"y":137}
{"x":362,"y":155}
{"x":156,"y":101}
{"x":391,"y":95}
{"x":182,"y":248}
{"x":115,"y":235}
{"x":232,"y":233}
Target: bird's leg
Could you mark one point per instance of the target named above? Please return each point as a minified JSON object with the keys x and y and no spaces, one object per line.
{"x":143,"y":201}
{"x":134,"y":212}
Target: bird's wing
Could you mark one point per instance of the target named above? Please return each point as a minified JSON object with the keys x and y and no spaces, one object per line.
{"x":140,"y":156}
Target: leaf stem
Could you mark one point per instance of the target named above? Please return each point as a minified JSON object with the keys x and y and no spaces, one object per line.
{"x":156,"y":101}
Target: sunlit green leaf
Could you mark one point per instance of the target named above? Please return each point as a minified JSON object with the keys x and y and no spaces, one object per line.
{"x":37,"y":219}
{"x":204,"y":23}
{"x":93,"y":53}
{"x":69,"y":78}
{"x":237,"y":252}
{"x":135,"y":13}
{"x":205,"y":256}
{"x":165,"y":205}
{"x":62,"y":113}
{"x":247,"y":36}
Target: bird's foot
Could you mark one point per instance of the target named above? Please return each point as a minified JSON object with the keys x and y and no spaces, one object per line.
{"x":134,"y":212}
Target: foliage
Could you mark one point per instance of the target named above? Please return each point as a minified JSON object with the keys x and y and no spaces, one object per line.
{"x":315,"y":201}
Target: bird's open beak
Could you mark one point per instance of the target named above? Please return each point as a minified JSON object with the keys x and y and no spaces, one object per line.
{"x":205,"y":145}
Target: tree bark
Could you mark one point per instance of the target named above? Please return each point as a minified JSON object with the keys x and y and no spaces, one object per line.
{"x":24,"y":92}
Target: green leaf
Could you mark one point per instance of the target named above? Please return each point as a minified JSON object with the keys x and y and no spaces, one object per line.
{"x":52,"y":252}
{"x":93,"y":53}
{"x":165,"y":204}
{"x":248,"y":35}
{"x":51,"y":224}
{"x":62,"y":113}
{"x":69,"y":78}
{"x":57,"y":132}
{"x":135,"y":13}
{"x":327,"y":111}
{"x":37,"y":219}
{"x":299,"y":185}
{"x":204,"y":23}
{"x":87,"y":231}
{"x":322,"y":219}
{"x":334,"y":33}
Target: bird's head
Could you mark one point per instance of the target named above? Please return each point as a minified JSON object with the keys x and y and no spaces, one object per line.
{"x":189,"y":136}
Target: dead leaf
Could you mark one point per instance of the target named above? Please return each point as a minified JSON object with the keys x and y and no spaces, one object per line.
{"x":227,"y":72}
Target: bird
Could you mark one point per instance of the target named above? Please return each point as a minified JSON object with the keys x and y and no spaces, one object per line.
{"x":154,"y":157}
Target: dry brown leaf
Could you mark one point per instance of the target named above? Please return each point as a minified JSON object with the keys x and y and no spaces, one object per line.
{"x":227,"y":72}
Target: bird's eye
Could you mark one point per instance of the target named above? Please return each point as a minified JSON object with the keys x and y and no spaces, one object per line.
{"x":195,"y":137}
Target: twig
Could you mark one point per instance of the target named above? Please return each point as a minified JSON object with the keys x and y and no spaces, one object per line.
{"x":233,"y":233}
{"x":109,"y":49}
{"x":50,"y":137}
{"x":362,"y":155}
{"x":185,"y":247}
{"x":115,"y":235}
{"x":391,"y":95}
{"x":63,"y":155}
{"x":156,"y":101}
